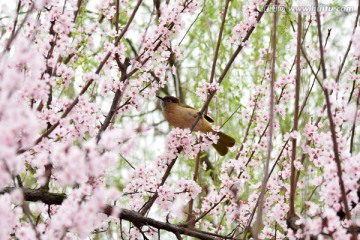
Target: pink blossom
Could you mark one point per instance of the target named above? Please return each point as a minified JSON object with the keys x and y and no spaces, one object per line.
{"x":207,"y":88}
{"x":9,"y":217}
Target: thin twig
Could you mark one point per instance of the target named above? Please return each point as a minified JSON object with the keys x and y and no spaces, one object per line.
{"x":250,"y":220}
{"x":169,"y":27}
{"x":16,"y":18}
{"x":313,"y":83}
{"x":232,"y":114}
{"x":151,"y":201}
{"x":190,"y":27}
{"x":123,"y":68}
{"x":252,"y":116}
{"x":212,"y":74}
{"x":129,"y":22}
{"x":127,"y":161}
{"x":27,"y":212}
{"x":354,"y":125}
{"x":354,"y":84}
{"x":79,"y":3}
{"x":311,"y":68}
{"x":296,"y":120}
{"x":349,"y":45}
{"x":14,"y":34}
{"x":248,"y":128}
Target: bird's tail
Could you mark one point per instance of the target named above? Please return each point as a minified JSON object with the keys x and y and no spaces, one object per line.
{"x":223,"y":144}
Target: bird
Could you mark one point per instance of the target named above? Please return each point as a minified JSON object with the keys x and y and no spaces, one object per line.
{"x":183,"y":116}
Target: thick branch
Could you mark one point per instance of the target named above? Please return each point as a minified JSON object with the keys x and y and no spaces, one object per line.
{"x":34,"y":195}
{"x":138,"y":220}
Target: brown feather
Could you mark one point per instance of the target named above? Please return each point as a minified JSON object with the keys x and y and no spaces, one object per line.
{"x":182,"y":117}
{"x":221,"y":149}
{"x":209,"y":119}
{"x":226,"y":139}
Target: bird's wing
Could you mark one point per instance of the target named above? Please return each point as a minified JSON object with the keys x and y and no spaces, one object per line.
{"x":209,"y":119}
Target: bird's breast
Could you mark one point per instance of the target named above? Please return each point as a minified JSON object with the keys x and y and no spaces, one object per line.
{"x":183,"y":117}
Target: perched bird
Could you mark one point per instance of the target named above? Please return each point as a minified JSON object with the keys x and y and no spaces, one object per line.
{"x":183,"y":116}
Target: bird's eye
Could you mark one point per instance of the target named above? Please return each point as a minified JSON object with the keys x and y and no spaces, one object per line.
{"x":168,"y":100}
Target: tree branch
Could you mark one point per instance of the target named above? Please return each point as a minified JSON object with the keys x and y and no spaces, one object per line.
{"x":296,"y":119}
{"x":123,"y":68}
{"x":14,"y":34}
{"x":134,"y":217}
{"x":151,"y":201}
{"x":332,"y":128}
{"x":138,"y":219}
{"x":349,"y":45}
{"x":212,"y":74}
{"x":34,"y":195}
{"x":354,"y":125}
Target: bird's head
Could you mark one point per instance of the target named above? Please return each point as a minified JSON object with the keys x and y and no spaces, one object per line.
{"x":167,"y":100}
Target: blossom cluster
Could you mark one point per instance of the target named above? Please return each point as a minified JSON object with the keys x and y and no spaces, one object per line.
{"x":72,"y":129}
{"x":41,"y":74}
{"x":250,"y":21}
{"x":145,"y":181}
{"x":206,"y":88}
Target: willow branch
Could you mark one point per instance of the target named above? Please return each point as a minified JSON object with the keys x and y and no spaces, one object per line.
{"x":271,"y":128}
{"x":191,"y":25}
{"x":227,"y":67}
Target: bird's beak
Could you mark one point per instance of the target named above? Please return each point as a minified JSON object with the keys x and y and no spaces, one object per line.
{"x":159,"y":97}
